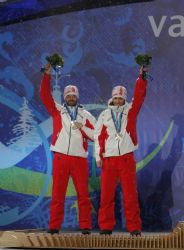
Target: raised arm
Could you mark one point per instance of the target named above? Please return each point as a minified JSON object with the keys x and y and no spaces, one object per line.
{"x":138,"y":99}
{"x":45,"y":91}
{"x":139,"y":96}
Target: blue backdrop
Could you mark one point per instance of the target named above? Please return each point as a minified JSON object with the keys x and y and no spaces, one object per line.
{"x":99,"y":47}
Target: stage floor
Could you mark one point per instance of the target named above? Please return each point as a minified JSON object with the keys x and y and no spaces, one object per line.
{"x":40,"y":239}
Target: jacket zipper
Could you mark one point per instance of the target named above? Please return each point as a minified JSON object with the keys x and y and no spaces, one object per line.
{"x":69,"y":140}
{"x":118,"y":148}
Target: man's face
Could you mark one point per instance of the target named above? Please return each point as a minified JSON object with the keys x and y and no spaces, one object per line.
{"x":71,"y":100}
{"x":118,"y":101}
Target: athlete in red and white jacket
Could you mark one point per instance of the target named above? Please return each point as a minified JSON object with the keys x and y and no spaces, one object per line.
{"x":72,"y":127}
{"x":115,"y":141}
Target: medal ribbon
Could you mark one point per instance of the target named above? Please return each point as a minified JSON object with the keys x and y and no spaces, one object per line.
{"x":73,"y":115}
{"x":117,"y":122}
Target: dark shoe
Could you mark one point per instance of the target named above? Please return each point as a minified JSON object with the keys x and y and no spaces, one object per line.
{"x":53,"y":231}
{"x":135,"y":233}
{"x":86,"y":231}
{"x":106,"y":232}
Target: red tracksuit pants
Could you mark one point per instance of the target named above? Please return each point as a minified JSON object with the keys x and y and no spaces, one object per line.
{"x":123,"y":168}
{"x":65,"y":166}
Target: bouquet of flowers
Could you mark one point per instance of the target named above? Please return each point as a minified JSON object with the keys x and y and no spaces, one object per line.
{"x":56,"y":62}
{"x":145,"y":61}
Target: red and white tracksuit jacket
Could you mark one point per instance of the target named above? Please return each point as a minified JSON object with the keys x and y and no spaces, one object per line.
{"x":70,"y":157}
{"x":118,"y":160}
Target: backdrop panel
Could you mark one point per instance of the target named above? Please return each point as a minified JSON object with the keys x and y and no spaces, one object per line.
{"x":99,"y":47}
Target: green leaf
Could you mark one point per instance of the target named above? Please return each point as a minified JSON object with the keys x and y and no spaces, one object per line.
{"x":55,"y":60}
{"x":143,"y":59}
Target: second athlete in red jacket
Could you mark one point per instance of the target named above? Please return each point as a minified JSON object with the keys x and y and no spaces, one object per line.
{"x":115,"y":142}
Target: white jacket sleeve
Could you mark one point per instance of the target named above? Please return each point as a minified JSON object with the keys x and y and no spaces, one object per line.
{"x":98,"y":137}
{"x":88,"y":128}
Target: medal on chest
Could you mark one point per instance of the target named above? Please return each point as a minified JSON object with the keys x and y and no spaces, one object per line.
{"x":117,"y":124}
{"x":73,"y":115}
{"x":73,"y":126}
{"x":118,"y":136}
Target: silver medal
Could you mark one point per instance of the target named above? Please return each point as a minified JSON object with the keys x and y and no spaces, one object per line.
{"x":117,"y":137}
{"x":73,"y":124}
